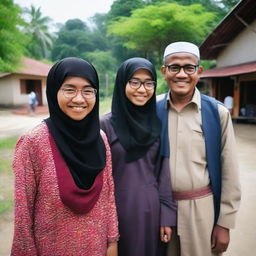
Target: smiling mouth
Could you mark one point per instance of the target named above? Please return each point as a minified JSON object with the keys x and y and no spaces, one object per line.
{"x":78,"y":107}
{"x":140,"y":96}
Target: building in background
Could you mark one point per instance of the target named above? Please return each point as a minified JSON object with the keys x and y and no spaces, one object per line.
{"x":15,"y":86}
{"x":233,"y":45}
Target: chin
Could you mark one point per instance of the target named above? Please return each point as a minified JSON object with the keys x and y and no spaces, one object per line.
{"x":139,"y":104}
{"x":78,"y":117}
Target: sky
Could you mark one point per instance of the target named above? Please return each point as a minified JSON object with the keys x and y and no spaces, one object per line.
{"x":63,"y":10}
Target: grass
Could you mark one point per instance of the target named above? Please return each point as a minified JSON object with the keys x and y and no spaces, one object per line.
{"x":105,"y":105}
{"x":8,"y":143}
{"x":6,"y":176}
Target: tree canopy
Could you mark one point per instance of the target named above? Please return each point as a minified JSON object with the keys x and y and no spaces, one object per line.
{"x":150,"y":29}
{"x":37,"y":30}
{"x":72,"y":40}
{"x":12,"y":41}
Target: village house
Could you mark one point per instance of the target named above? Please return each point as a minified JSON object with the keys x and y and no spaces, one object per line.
{"x":233,"y":45}
{"x":15,"y":86}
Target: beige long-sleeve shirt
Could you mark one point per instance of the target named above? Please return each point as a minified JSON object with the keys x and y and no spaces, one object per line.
{"x":188,"y":156}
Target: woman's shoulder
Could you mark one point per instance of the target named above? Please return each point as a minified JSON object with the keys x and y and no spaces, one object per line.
{"x":34,"y":139}
{"x":105,"y":123}
{"x":105,"y":119}
{"x":38,"y":132}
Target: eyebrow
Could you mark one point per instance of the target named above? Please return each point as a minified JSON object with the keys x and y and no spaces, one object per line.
{"x":176,"y":64}
{"x":147,"y":79}
{"x":72,"y":85}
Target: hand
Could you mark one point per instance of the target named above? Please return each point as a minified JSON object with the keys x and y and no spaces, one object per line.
{"x":165,"y":234}
{"x":112,"y":249}
{"x":220,"y":239}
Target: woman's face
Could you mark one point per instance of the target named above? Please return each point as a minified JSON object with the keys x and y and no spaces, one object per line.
{"x":137,"y":93}
{"x":76,"y":97}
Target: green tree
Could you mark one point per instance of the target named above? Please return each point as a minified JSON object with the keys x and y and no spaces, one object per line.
{"x":220,"y":7}
{"x":124,"y":8}
{"x":37,"y":28}
{"x":12,"y":41}
{"x":99,"y":32}
{"x":150,"y":29}
{"x":74,"y":39}
{"x":105,"y":65}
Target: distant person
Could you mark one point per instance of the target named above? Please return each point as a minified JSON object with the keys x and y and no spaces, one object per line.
{"x":198,"y":137}
{"x":64,"y":190}
{"x":32,"y":102}
{"x":229,"y":103}
{"x":142,"y":183}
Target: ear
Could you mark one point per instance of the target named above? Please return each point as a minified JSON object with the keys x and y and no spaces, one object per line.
{"x":163,"y":69}
{"x":200,"y":70}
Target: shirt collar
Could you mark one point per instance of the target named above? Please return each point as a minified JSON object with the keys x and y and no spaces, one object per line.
{"x":196,"y":99}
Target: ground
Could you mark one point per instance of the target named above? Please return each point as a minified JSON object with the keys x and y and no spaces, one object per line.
{"x":243,"y":237}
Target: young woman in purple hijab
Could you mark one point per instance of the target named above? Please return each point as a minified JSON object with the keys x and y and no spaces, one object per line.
{"x":142,"y":183}
{"x":64,"y":191}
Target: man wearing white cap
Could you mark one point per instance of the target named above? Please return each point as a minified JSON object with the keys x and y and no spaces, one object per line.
{"x":197,"y":137}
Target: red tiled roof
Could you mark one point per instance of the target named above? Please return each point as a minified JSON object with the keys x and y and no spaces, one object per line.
{"x":31,"y":67}
{"x":248,"y":67}
{"x":34,"y":67}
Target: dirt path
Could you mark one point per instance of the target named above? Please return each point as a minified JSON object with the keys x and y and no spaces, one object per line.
{"x":243,"y":238}
{"x":13,"y":125}
{"x":6,"y":233}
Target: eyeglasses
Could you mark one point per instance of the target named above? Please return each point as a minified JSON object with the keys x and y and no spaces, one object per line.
{"x":136,"y":84}
{"x":87,"y":92}
{"x":188,"y":69}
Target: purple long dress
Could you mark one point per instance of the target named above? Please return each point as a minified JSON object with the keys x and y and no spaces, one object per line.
{"x":143,"y":198}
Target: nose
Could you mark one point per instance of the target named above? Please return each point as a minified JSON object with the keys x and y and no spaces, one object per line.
{"x":141,"y":88}
{"x":78,"y":98}
{"x":181,"y":73}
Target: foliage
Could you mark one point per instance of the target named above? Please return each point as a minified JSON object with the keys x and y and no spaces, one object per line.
{"x":222,"y":7}
{"x":123,"y":8}
{"x":72,"y":40}
{"x":99,"y":31}
{"x":208,"y":64}
{"x":150,"y":29}
{"x":162,"y":86}
{"x":105,"y":105}
{"x":37,"y":30}
{"x":12,"y":41}
{"x":105,"y":65}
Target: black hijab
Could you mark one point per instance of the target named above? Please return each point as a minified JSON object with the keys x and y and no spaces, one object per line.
{"x":137,"y":127}
{"x":79,"y":141}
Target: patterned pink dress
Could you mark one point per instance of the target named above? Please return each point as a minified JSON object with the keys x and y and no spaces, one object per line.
{"x":43,"y":224}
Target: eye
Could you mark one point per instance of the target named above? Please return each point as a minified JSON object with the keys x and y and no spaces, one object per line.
{"x":88,"y":91}
{"x":69,"y":90}
{"x":149,"y":84}
{"x":174,"y":68}
{"x":135,"y":82}
{"x":190,"y":68}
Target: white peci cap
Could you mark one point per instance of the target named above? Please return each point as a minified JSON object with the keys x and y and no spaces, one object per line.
{"x":182,"y":47}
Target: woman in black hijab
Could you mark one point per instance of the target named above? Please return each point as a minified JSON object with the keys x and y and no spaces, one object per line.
{"x":143,"y":197}
{"x":64,"y":203}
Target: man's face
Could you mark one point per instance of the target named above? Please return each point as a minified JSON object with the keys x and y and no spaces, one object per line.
{"x":181,"y":84}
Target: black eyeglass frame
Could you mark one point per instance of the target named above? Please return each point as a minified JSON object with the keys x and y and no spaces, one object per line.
{"x":141,"y":83}
{"x":64,"y":90}
{"x":182,"y":67}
